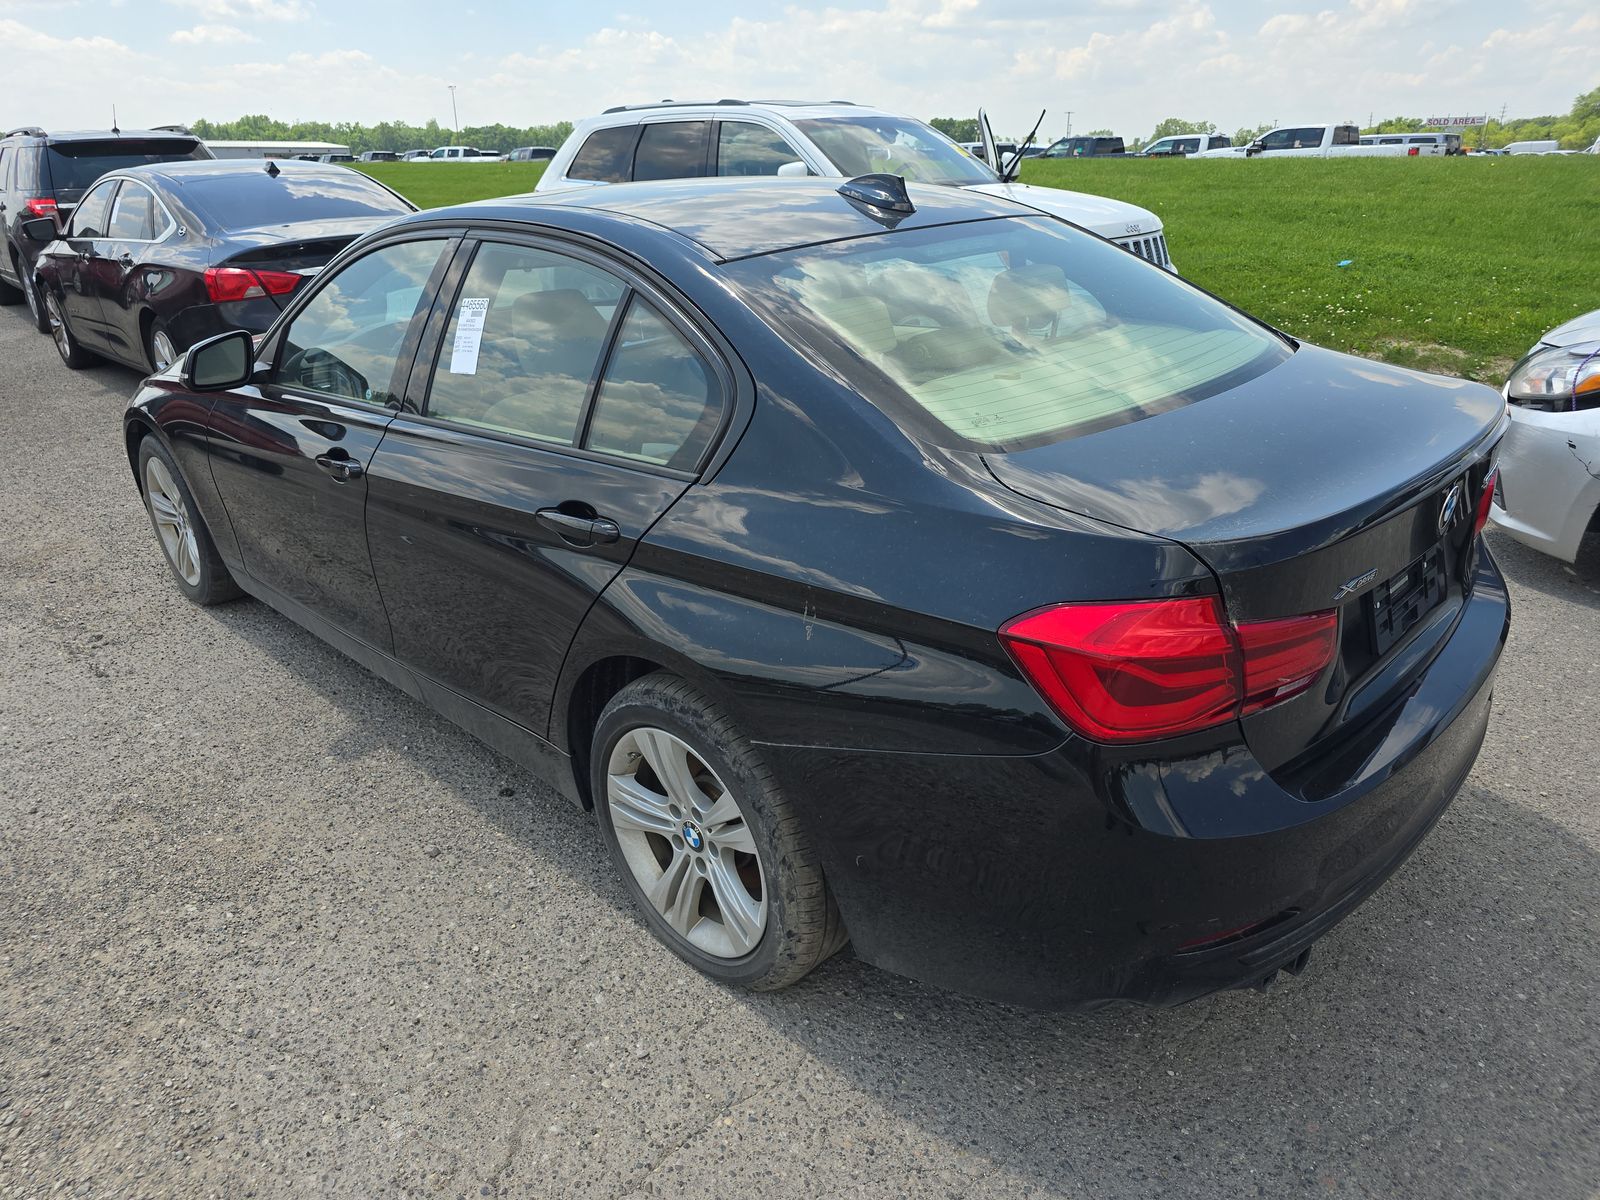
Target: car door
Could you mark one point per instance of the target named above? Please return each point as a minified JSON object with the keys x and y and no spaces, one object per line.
{"x":289,"y":453}
{"x":566,"y":407}
{"x":79,"y":270}
{"x":137,"y":222}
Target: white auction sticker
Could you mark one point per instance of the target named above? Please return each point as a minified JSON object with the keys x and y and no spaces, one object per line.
{"x":469,"y":335}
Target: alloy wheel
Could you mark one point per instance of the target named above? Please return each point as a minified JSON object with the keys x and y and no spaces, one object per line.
{"x":162,"y":351}
{"x":58,"y":326}
{"x":170,"y":515}
{"x":687,"y":842}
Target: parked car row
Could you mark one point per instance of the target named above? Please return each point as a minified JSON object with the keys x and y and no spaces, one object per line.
{"x":606,"y":474}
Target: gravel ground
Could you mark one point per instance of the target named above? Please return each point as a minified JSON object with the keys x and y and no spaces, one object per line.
{"x":269,"y":927}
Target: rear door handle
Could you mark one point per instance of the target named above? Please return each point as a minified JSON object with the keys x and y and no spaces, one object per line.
{"x":579,"y":531}
{"x":342,"y":469}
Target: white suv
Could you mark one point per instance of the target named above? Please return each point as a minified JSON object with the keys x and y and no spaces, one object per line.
{"x":674,"y":140}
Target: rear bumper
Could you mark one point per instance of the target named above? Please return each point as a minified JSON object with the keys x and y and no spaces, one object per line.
{"x":1036,"y":881}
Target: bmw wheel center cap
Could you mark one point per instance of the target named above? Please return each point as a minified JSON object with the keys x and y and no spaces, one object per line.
{"x":692,"y":835}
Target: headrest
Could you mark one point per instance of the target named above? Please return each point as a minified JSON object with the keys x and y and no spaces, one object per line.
{"x":864,"y":320}
{"x":1027,"y":295}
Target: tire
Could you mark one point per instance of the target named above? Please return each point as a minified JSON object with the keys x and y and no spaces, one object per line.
{"x":749,"y":838}
{"x":180,"y":531}
{"x":74,"y":355}
{"x":30,"y":292}
{"x":10,"y":293}
{"x":155,"y":354}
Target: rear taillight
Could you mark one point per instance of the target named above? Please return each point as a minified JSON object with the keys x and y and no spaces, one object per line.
{"x":1485,"y":499}
{"x":1414,"y":151}
{"x":42,"y":206}
{"x":1145,"y":669}
{"x":236,"y":283}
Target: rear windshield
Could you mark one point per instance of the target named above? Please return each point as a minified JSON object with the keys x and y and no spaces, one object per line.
{"x":1006,"y":334}
{"x":75,"y":165}
{"x":254,"y":199}
{"x":867,"y":145}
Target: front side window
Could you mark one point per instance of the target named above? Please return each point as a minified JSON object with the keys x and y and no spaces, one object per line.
{"x":524,"y":343}
{"x":744,"y":148}
{"x":346,"y":341}
{"x":1292,"y":139}
{"x":135,"y":216}
{"x":1005,"y":334}
{"x":606,"y":155}
{"x":865,"y":145}
{"x":658,"y":401}
{"x":90,"y":218}
{"x":672,"y":150}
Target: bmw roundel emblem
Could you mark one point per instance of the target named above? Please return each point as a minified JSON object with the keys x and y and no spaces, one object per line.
{"x":1451,"y":508}
{"x":692,"y":835}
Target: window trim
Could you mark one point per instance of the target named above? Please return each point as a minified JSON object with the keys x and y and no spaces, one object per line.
{"x":167,"y":231}
{"x":269,"y":354}
{"x":431,"y":353}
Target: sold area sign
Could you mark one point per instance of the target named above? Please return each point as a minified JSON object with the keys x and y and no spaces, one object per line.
{"x":1440,"y":122}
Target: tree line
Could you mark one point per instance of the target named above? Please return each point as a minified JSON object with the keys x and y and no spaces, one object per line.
{"x":386,"y":135}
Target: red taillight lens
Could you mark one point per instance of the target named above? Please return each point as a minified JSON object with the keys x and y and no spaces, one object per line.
{"x":1283,"y":658}
{"x":1147,"y":669}
{"x":236,"y":283}
{"x":44,"y":206}
{"x":1481,"y":517}
{"x":1414,"y":151}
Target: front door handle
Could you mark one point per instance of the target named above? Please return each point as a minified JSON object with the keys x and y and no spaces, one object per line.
{"x":342,"y":469}
{"x":579,"y":531}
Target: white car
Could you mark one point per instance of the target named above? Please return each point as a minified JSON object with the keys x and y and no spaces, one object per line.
{"x":1550,"y":459}
{"x":469,"y":154}
{"x":1316,"y":141}
{"x":675,"y":140}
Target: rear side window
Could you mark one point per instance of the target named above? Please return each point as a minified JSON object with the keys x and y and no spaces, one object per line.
{"x":90,"y":218}
{"x":744,"y":148}
{"x":607,"y":155}
{"x":658,"y":401}
{"x":523,"y":345}
{"x":5,"y":168}
{"x":75,"y":165}
{"x":134,"y":216}
{"x":1346,"y":135}
{"x":672,"y":150}
{"x":346,"y":341}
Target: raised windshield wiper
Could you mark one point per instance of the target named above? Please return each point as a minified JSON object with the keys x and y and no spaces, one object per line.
{"x":1014,"y":167}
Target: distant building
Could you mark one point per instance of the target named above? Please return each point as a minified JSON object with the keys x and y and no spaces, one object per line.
{"x":274,"y":149}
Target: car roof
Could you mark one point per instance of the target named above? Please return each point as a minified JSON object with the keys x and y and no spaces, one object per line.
{"x":210,"y":168}
{"x":739,"y":218}
{"x":103,"y":135}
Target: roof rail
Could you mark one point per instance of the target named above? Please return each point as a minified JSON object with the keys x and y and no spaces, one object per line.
{"x":25,"y":131}
{"x":616,"y":108}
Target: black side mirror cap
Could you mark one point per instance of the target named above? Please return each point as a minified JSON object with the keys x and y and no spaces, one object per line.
{"x":41,"y":229}
{"x":219,"y":363}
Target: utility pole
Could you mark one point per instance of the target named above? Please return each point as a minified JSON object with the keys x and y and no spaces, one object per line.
{"x":1069,"y":124}
{"x":455,"y":121}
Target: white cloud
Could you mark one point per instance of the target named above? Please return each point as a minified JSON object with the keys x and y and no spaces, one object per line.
{"x":248,"y":10}
{"x":211,"y":35}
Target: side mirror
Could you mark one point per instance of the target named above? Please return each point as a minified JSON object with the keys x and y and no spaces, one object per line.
{"x":219,"y":363}
{"x":791,"y":169}
{"x":40,"y":229}
{"x":1255,"y":147}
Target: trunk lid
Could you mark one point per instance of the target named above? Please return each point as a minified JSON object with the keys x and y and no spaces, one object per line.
{"x":300,"y":249}
{"x":1318,"y":485}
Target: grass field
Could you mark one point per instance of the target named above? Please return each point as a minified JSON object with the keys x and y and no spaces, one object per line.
{"x":1456,"y":264}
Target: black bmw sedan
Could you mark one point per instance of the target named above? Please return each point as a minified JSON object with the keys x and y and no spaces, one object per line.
{"x":156,"y":258}
{"x":882,"y":565}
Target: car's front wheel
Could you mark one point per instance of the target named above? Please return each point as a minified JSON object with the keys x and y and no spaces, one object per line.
{"x":185,"y":541}
{"x":74,"y":355}
{"x":706,"y":843}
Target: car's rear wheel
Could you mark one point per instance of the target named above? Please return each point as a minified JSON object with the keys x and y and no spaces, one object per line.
{"x":74,"y":355}
{"x":185,"y":542}
{"x":706,"y":843}
{"x":159,"y":348}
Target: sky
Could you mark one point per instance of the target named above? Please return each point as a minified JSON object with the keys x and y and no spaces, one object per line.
{"x":1115,"y":64}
